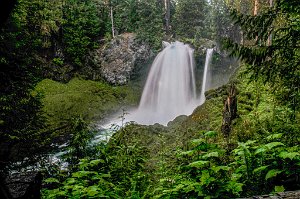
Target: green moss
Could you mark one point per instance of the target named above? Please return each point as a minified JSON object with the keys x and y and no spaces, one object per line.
{"x":89,"y":99}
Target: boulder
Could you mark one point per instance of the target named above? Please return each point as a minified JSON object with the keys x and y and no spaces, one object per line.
{"x":282,"y":195}
{"x":119,"y":58}
{"x":21,"y":185}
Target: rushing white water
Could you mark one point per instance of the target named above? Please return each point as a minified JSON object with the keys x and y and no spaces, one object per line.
{"x":170,"y":88}
{"x":205,"y":85}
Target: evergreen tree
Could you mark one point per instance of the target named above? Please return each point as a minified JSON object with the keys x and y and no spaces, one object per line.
{"x":150,"y":23}
{"x":189,"y":19}
{"x":272,"y":48}
{"x":20,"y":121}
{"x":80,"y":30}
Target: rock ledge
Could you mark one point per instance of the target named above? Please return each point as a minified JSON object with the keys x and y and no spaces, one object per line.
{"x":120,"y":57}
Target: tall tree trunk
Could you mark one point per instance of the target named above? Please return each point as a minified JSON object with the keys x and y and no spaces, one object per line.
{"x":241,"y":31}
{"x":255,"y":10}
{"x":112,"y":21}
{"x":167,"y":16}
{"x":270,"y":34}
{"x":229,"y":111}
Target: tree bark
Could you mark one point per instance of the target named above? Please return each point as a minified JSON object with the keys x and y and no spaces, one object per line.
{"x":112,"y":21}
{"x":269,"y":43}
{"x":167,"y":16}
{"x":271,"y":3}
{"x":255,"y":10}
{"x":229,"y":111}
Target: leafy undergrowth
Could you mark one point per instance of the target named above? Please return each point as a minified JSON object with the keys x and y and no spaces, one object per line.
{"x":87,"y":99}
{"x":208,"y":170}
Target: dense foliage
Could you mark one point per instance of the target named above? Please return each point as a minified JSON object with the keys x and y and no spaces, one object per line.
{"x":273,"y":54}
{"x":251,"y":168}
{"x":188,"y":159}
{"x":190,"y":23}
{"x":19,"y":72}
{"x":80,"y":29}
{"x":114,"y":170}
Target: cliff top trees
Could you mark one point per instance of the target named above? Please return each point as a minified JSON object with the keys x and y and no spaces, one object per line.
{"x":189,"y":19}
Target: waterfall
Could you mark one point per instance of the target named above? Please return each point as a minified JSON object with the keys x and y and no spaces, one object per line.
{"x":170,"y":88}
{"x":205,"y":80}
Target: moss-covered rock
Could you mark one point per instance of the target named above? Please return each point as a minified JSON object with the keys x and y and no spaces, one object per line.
{"x":88,"y":99}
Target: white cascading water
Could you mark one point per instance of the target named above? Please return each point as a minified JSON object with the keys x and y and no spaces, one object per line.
{"x":205,"y":85}
{"x":170,"y":89}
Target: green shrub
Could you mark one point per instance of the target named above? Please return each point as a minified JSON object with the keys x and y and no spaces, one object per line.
{"x":208,"y":171}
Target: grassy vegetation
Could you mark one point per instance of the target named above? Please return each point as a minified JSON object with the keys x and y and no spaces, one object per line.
{"x":87,"y":99}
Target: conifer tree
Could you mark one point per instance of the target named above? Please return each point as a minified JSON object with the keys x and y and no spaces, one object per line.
{"x":276,"y":60}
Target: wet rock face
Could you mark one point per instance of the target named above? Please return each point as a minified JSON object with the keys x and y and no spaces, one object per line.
{"x":120,"y":57}
{"x":25,"y":185}
{"x":282,"y":195}
{"x":204,"y":45}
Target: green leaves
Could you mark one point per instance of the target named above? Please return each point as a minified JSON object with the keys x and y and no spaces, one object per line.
{"x":96,"y":162}
{"x":206,"y":179}
{"x":235,"y":187}
{"x":196,"y":142}
{"x":211,"y":134}
{"x":272,"y":145}
{"x":260,"y":150}
{"x":51,"y":180}
{"x":260,"y":169}
{"x":279,"y":189}
{"x":273,"y":173}
{"x":268,"y":147}
{"x":81,"y":174}
{"x":117,"y":172}
{"x":274,"y":136}
{"x":256,"y":163}
{"x":92,"y":191}
{"x":216,"y":169}
{"x":199,"y":164}
{"x":188,"y":153}
{"x":289,"y":155}
{"x":206,"y":175}
{"x":211,"y":154}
